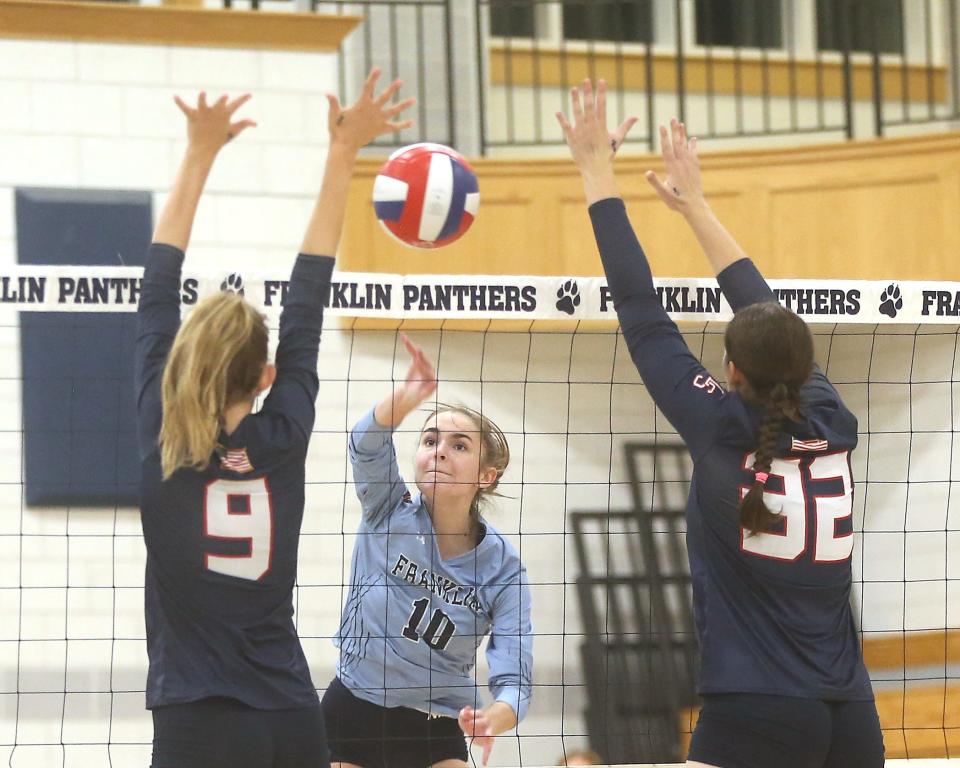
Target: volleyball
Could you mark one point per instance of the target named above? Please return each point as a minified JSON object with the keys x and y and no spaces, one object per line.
{"x":426,"y":195}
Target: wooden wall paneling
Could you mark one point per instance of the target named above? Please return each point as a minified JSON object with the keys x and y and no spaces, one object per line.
{"x":887,"y":209}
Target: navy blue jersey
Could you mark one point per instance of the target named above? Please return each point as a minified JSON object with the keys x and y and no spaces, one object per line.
{"x":222,"y":543}
{"x":773,"y":609}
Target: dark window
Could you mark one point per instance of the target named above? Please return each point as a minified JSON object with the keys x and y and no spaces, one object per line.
{"x":617,"y":20}
{"x":866,"y":21}
{"x":740,"y":23}
{"x":511,"y":18}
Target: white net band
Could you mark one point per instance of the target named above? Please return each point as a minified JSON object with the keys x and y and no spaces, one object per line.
{"x":483,"y":297}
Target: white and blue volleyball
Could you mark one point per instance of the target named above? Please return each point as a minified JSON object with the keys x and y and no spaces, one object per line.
{"x":426,"y":195}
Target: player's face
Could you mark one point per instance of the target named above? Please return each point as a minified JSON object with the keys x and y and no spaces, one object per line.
{"x":448,"y":463}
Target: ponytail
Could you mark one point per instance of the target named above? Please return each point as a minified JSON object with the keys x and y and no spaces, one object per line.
{"x":772,"y":349}
{"x":755,"y":515}
{"x":216,"y":360}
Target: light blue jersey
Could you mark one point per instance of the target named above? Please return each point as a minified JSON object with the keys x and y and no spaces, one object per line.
{"x":412,"y":622}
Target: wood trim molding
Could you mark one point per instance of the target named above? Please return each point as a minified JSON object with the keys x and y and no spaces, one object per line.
{"x":173,"y":25}
{"x":912,"y":649}
{"x":548,"y":66}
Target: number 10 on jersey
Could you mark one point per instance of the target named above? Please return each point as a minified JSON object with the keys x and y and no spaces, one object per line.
{"x":437,"y":632}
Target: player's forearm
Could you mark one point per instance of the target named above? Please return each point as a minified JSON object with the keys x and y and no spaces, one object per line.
{"x":717,"y":243}
{"x":501,"y":717}
{"x":394,"y":408}
{"x":326,"y":222}
{"x":176,"y":219}
{"x":624,"y":262}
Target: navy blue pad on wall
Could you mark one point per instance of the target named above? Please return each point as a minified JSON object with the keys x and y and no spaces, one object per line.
{"x":80,"y":444}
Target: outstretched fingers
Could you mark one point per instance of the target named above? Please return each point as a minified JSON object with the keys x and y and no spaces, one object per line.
{"x":187,"y":110}
{"x":396,"y":109}
{"x":622,"y":130}
{"x":238,"y":102}
{"x":411,"y":348}
{"x":239,"y":127}
{"x":601,"y":102}
{"x":487,"y":749}
{"x":474,"y":723}
{"x":416,"y":353}
{"x":679,"y":137}
{"x":575,"y":106}
{"x":388,"y":92}
{"x":370,"y":84}
{"x":663,"y":192}
{"x":589,"y":103}
{"x":425,"y":365}
{"x":666,"y":147}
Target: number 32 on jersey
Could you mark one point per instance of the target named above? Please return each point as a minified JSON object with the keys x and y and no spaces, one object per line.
{"x":806,"y":492}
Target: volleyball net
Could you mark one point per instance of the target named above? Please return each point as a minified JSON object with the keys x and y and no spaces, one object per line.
{"x":592,"y":499}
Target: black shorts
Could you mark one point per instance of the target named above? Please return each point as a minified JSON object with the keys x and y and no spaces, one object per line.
{"x":747,"y":730}
{"x":372,"y":736}
{"x":226,"y":733}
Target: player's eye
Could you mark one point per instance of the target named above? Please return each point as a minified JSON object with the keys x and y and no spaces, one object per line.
{"x":429,"y":442}
{"x":460,"y":446}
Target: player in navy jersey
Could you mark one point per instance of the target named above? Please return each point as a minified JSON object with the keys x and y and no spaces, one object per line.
{"x":430,"y":579}
{"x":222,"y":487}
{"x":769,"y":517}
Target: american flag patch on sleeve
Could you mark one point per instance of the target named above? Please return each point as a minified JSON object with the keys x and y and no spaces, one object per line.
{"x":809,"y":445}
{"x":236,"y":460}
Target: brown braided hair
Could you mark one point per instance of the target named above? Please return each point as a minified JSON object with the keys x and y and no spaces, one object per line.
{"x":773,"y":350}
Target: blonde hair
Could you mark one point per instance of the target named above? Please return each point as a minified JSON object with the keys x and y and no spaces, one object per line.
{"x":494,"y":453}
{"x":216,"y":360}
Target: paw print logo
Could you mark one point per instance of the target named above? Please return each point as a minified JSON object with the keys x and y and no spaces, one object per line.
{"x":568,"y":297}
{"x":233,"y":283}
{"x":891,"y":301}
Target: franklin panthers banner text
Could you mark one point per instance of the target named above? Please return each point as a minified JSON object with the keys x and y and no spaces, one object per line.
{"x":481,"y":297}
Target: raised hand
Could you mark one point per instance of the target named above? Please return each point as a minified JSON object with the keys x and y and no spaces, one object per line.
{"x":474,"y":724}
{"x":421,"y":379}
{"x":209,"y":127}
{"x":419,"y":383}
{"x":682,"y":189}
{"x":370,"y":116}
{"x":591,"y":143}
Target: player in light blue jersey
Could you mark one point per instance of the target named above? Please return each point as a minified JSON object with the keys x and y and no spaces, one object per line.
{"x":430,"y":579}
